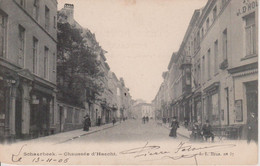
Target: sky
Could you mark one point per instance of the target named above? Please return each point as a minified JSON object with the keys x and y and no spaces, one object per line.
{"x":139,"y":36}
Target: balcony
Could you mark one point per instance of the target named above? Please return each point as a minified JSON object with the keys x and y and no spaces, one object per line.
{"x":223,"y":65}
{"x":186,"y":61}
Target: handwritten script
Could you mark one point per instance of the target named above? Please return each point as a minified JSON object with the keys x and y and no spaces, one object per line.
{"x":182,"y":151}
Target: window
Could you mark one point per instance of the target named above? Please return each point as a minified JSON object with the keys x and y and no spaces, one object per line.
{"x":35,"y":54}
{"x":3,"y":99}
{"x":2,"y":34}
{"x":194,"y":46}
{"x":224,"y":3}
{"x":22,"y":3}
{"x":54,"y":63}
{"x":203,"y":68}
{"x":47,"y":18}
{"x":207,"y":24}
{"x":225,"y":42}
{"x":45,"y":66}
{"x":198,"y":39}
{"x":215,"y":109}
{"x":21,"y":40}
{"x":209,"y":65}
{"x":215,"y":13}
{"x":216,"y":56}
{"x":188,"y":76}
{"x":118,"y":92}
{"x":250,"y":30}
{"x":36,"y":9}
{"x":54,"y":22}
{"x":198,"y":74}
{"x":51,"y":116}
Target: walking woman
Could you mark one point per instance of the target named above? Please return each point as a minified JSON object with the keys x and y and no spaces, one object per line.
{"x":174,"y":126}
{"x":87,"y":123}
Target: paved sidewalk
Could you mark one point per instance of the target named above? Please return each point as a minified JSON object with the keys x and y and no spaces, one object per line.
{"x":182,"y":131}
{"x":69,"y":135}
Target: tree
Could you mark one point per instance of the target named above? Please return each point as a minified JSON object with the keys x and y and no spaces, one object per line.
{"x":77,"y":67}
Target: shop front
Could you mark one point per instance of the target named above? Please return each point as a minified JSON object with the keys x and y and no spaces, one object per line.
{"x":246,"y":100}
{"x":197,"y":108}
{"x":211,"y":104}
{"x":41,"y":113}
{"x":9,"y":82}
{"x":23,"y":108}
{"x":252,"y":109}
{"x":187,"y":108}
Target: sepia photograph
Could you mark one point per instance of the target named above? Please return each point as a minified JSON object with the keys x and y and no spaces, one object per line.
{"x":129,"y":82}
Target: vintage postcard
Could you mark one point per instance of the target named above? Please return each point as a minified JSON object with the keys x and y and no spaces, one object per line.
{"x":129,"y":82}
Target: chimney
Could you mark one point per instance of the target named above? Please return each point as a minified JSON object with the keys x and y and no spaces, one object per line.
{"x":69,"y":8}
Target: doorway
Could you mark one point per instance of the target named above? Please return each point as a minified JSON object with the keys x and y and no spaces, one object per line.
{"x":227,"y":101}
{"x":252,"y":106}
{"x":18,"y":113}
{"x":61,"y":114}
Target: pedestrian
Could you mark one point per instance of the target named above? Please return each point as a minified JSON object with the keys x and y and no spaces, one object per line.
{"x":114,"y":121}
{"x":174,"y":127}
{"x":252,"y":128}
{"x":147,"y":119}
{"x":143,"y":120}
{"x":164,"y":120}
{"x":87,"y":123}
{"x":186,"y":122}
{"x":207,"y":131}
{"x":99,"y":121}
{"x":196,"y":132}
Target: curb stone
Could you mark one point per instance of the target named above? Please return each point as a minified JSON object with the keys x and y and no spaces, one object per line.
{"x":87,"y":133}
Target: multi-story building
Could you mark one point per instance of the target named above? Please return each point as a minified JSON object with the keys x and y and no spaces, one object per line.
{"x":185,"y":56}
{"x":229,"y":62}
{"x":115,"y":95}
{"x":27,"y":68}
{"x":216,"y":66}
{"x":241,"y":95}
{"x":96,"y":109}
{"x":143,"y":109}
{"x":176,"y":84}
{"x":124,"y":100}
{"x":147,"y":110}
{"x":160,"y":103}
{"x":113,"y":86}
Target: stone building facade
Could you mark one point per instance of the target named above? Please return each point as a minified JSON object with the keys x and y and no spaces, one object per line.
{"x":27,"y":68}
{"x":217,"y":64}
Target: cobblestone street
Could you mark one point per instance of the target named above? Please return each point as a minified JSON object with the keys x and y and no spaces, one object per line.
{"x":132,"y":130}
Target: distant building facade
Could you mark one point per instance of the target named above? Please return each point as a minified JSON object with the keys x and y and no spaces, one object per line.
{"x":143,"y":110}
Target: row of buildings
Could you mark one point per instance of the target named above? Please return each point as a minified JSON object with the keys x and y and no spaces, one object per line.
{"x":214,"y":74}
{"x":115,"y":101}
{"x":29,"y":106}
